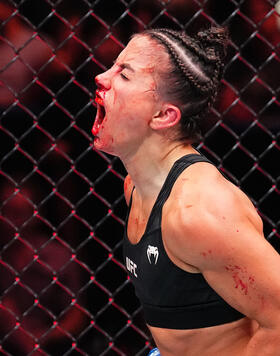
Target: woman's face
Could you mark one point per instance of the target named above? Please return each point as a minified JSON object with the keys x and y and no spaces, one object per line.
{"x":127,"y":98}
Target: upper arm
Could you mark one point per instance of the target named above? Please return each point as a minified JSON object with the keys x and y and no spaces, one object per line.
{"x":128,"y":186}
{"x":221,"y":237}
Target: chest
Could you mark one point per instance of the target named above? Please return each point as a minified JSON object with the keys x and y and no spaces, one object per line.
{"x":138,"y":220}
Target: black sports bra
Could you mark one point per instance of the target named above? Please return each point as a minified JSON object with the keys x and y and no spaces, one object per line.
{"x":171,"y":297}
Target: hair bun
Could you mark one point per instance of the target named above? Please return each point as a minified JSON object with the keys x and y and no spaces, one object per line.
{"x":214,"y":40}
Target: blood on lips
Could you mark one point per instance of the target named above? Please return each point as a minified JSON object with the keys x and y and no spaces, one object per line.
{"x":100,"y":93}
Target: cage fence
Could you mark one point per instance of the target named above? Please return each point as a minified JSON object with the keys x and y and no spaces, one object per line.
{"x":64,"y":289}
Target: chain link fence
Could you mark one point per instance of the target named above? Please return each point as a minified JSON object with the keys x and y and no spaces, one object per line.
{"x":64,"y":288}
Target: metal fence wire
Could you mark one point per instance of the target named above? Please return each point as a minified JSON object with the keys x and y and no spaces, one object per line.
{"x":64,"y":289}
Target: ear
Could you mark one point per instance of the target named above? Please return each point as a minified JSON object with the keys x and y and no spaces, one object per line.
{"x":169,"y":116}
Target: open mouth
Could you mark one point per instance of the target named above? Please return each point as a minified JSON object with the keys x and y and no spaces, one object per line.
{"x":100,"y":114}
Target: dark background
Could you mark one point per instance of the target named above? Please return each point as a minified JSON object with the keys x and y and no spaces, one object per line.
{"x":64,"y":289}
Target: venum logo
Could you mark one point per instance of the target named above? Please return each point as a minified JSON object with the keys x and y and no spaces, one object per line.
{"x":152,"y":253}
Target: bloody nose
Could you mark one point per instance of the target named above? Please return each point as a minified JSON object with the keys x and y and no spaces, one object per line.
{"x":103,"y":81}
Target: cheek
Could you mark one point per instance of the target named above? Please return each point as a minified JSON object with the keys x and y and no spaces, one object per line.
{"x":116,"y":99}
{"x":129,"y":129}
{"x":129,"y":103}
{"x":140,"y":100}
{"x":143,"y":103}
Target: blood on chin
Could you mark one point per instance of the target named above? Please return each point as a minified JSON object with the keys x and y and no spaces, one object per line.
{"x":102,"y":139}
{"x":104,"y":144}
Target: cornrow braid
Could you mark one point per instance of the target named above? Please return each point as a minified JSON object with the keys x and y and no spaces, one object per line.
{"x":201,"y":45}
{"x":187,"y":41}
{"x":191,"y":71}
{"x":215,"y":62}
{"x":196,"y":65}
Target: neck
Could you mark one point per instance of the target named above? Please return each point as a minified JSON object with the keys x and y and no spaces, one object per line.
{"x":149,"y":166}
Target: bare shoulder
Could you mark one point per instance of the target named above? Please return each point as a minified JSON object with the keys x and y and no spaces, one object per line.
{"x":128,"y":186}
{"x":205,"y":209}
{"x":202,"y":188}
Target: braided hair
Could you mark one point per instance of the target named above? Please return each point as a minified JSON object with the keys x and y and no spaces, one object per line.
{"x":196,"y":68}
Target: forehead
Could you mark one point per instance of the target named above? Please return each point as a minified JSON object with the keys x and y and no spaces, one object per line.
{"x":142,"y":53}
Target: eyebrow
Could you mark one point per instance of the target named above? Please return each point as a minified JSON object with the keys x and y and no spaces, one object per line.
{"x":126,"y":66}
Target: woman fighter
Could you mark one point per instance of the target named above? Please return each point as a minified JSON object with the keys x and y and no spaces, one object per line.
{"x":194,"y":248}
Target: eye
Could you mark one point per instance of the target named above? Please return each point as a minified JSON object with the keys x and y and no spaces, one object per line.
{"x":124,"y":77}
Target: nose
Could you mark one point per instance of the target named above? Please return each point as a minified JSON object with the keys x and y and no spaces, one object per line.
{"x":103,"y":80}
